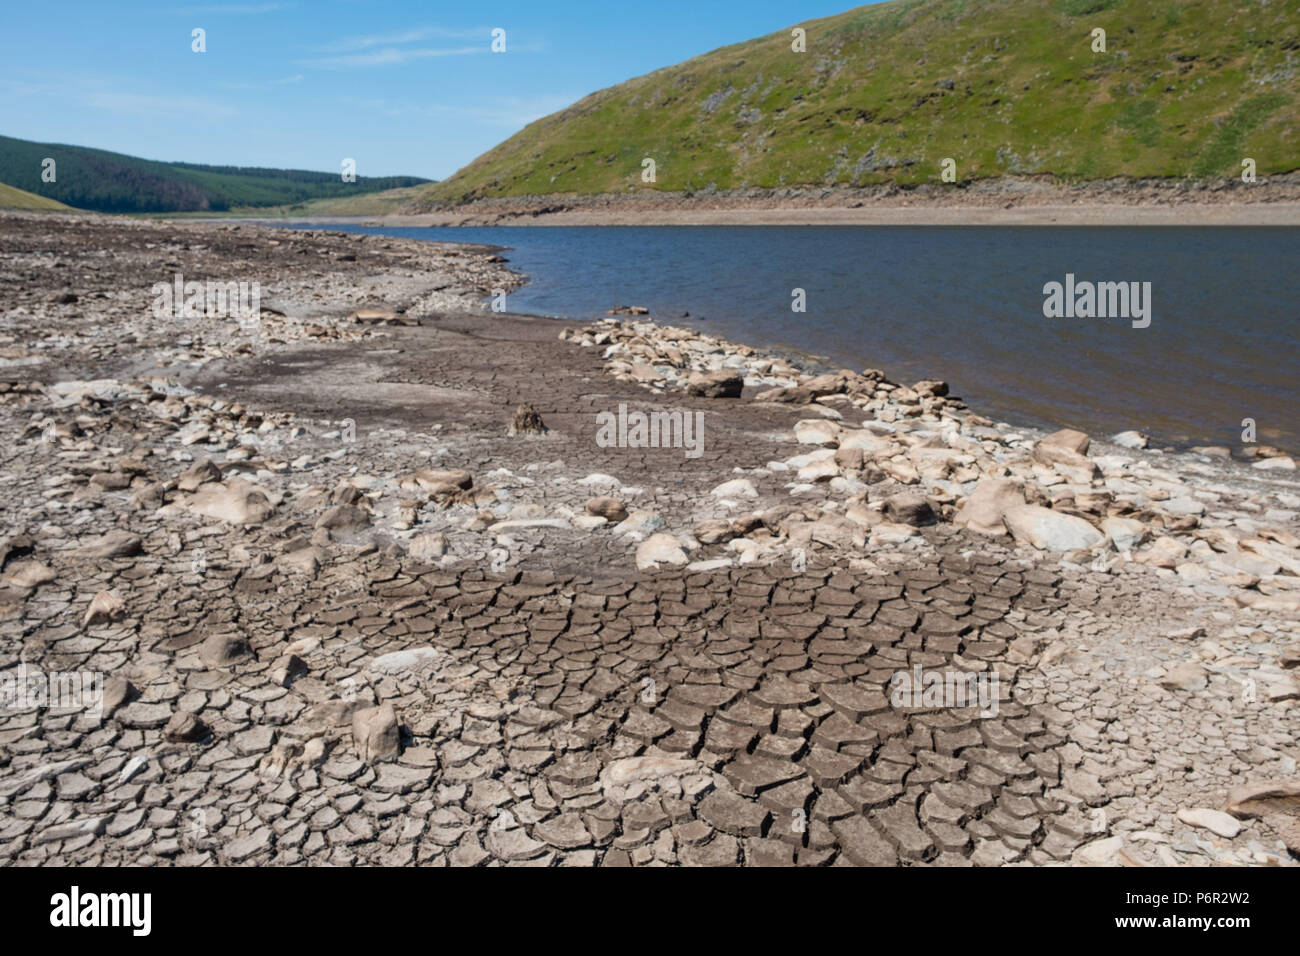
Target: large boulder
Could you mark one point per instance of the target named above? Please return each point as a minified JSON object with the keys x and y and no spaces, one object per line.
{"x":909,"y":508}
{"x":526,"y":421}
{"x":236,"y":501}
{"x":1069,"y":439}
{"x":659,"y":549}
{"x":200,"y":473}
{"x":1073,"y":465}
{"x":990,"y":500}
{"x":376,"y":734}
{"x":718,"y":383}
{"x":817,"y":431}
{"x":115,"y":544}
{"x":1049,"y":530}
{"x":611,"y":509}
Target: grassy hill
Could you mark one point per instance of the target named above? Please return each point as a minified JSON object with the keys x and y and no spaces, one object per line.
{"x":11,"y":198}
{"x":112,"y":182}
{"x":368,"y":204}
{"x":884,"y":93}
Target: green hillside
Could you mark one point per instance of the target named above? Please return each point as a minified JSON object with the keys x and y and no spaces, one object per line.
{"x":11,"y":198}
{"x":112,"y":182}
{"x":884,"y":93}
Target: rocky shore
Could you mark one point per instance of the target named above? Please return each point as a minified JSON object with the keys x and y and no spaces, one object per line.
{"x":1008,"y":201}
{"x":386,"y":577}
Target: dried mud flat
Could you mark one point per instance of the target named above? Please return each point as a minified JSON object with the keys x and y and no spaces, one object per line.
{"x":433,"y":642}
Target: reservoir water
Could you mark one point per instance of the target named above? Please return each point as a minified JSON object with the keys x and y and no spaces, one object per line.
{"x":965,"y":305}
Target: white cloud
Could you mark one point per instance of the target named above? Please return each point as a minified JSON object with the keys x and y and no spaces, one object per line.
{"x":351,"y":44}
{"x":390,"y":56}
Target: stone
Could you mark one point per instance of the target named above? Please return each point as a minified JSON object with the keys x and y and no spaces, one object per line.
{"x":117,"y":691}
{"x":286,"y":669}
{"x":1280,"y":463}
{"x":1049,"y":530}
{"x":343,"y":517}
{"x":611,"y":509}
{"x":428,"y":548}
{"x":200,"y":473}
{"x":1069,"y":439}
{"x":1164,"y":552}
{"x":104,"y":607}
{"x":909,"y":508}
{"x":376,"y":317}
{"x":28,"y":574}
{"x":1188,"y":676}
{"x":659,"y":549}
{"x":184,"y":727}
{"x":629,"y":770}
{"x":1125,"y":533}
{"x":1099,"y":852}
{"x":223,"y":650}
{"x":376,"y":734}
{"x":1256,"y":799}
{"x":816,"y":431}
{"x":714,"y":531}
{"x":526,"y":421}
{"x":1216,"y":821}
{"x":736,"y":488}
{"x":717,"y":383}
{"x":406,"y":661}
{"x":439,"y":478}
{"x":1077,"y":467}
{"x":235,"y":501}
{"x":984,"y":509}
{"x":1130,"y":439}
{"x":115,"y":544}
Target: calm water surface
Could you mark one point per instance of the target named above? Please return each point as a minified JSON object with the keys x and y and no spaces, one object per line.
{"x":964,"y":305}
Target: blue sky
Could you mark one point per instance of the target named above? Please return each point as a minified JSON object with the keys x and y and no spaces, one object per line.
{"x":404,"y":87}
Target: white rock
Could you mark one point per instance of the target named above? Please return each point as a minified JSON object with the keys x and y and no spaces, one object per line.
{"x":639,"y":522}
{"x":814,"y":431}
{"x":1125,"y":533}
{"x":428,"y":547}
{"x":984,"y":509}
{"x":1280,"y":463}
{"x":1130,"y":440}
{"x":659,"y":549}
{"x":1215,"y":821}
{"x":1099,"y":852}
{"x":711,"y":565}
{"x":1049,"y":530}
{"x":515,"y":523}
{"x":628,"y":770}
{"x":403,"y":661}
{"x":823,"y":470}
{"x":736,"y":488}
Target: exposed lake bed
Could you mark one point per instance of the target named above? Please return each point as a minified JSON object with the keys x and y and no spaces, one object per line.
{"x":320,"y":525}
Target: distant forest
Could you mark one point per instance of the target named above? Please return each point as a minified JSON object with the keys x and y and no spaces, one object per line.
{"x":102,"y":181}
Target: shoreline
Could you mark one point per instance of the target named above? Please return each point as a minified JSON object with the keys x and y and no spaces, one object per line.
{"x":1275,"y":215}
{"x":188,"y":513}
